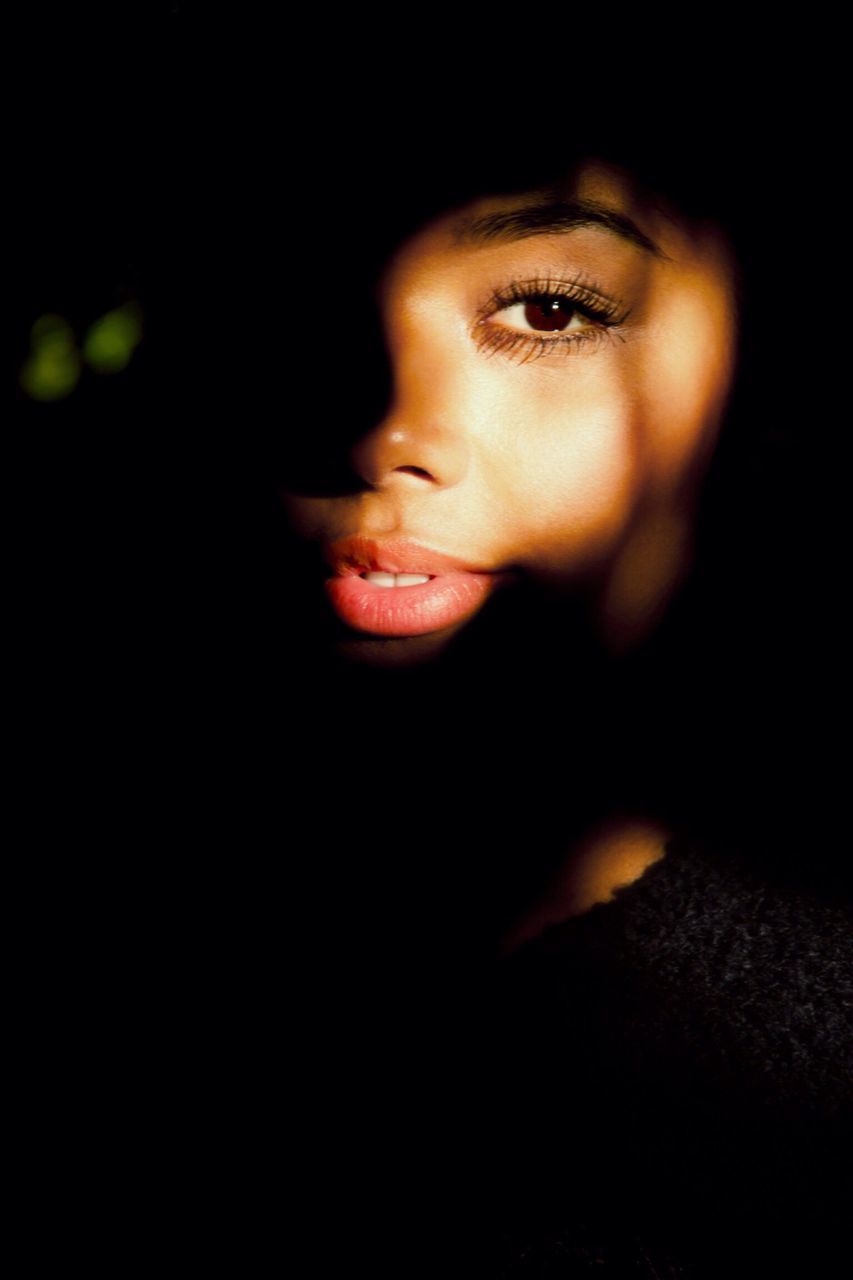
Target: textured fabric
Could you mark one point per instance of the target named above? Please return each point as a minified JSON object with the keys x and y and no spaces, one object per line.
{"x":675,"y":1073}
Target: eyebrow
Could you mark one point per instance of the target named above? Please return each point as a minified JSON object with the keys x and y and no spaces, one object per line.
{"x":551,"y":217}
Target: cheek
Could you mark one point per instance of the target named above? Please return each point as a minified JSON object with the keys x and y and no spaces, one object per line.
{"x":615,"y":435}
{"x":574,"y":471}
{"x":683,"y":381}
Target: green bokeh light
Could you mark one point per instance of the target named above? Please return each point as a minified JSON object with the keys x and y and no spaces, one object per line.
{"x":109,"y":342}
{"x":52,"y":370}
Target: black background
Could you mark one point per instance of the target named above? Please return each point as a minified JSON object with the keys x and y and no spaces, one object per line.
{"x":201,"y":853}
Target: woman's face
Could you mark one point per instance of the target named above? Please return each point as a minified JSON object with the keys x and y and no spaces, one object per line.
{"x":560,"y":360}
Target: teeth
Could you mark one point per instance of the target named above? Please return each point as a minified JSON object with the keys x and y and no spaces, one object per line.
{"x":396,"y":579}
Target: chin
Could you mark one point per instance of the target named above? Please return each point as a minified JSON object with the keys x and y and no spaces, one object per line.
{"x":396,"y":651}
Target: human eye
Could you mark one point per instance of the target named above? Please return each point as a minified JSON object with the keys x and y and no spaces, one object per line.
{"x":532,"y":318}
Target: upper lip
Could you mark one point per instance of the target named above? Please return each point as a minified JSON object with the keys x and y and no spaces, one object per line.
{"x":358,"y":554}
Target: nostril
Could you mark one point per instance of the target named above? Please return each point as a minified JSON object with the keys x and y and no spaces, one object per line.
{"x":414,"y":471}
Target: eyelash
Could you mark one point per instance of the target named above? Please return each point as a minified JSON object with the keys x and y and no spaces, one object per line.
{"x":605,"y":316}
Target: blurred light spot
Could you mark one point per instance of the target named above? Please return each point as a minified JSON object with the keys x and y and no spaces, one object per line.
{"x":52,"y":369}
{"x":110,"y":341}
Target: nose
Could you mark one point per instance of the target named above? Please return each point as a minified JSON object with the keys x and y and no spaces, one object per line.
{"x":402,"y":452}
{"x":416,"y":445}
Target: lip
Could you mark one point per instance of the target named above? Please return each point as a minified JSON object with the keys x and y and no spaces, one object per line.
{"x":455,"y":591}
{"x":359,"y":554}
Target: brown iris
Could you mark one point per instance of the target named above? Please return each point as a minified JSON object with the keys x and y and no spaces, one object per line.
{"x":549,"y":313}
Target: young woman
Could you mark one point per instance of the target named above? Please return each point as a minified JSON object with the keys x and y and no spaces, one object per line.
{"x":525,"y":664}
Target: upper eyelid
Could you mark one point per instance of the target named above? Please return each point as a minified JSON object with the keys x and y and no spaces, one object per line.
{"x":579,"y":289}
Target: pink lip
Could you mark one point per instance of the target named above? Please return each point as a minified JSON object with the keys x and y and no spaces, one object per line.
{"x":455,"y":589}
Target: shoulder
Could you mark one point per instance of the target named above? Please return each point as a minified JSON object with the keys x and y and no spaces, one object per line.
{"x":696,"y":1033}
{"x":708,"y":957}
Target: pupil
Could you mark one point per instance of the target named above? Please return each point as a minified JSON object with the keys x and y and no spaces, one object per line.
{"x":548,"y":313}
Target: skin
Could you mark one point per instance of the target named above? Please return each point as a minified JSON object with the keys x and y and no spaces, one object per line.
{"x":574,"y":463}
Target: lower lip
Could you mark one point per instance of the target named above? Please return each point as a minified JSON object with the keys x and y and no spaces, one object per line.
{"x":409,"y":611}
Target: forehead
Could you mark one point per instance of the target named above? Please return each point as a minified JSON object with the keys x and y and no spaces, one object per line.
{"x":593,"y":181}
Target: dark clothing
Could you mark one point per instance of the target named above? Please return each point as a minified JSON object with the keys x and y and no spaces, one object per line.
{"x":656,"y":1088}
{"x":670,"y":1081}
